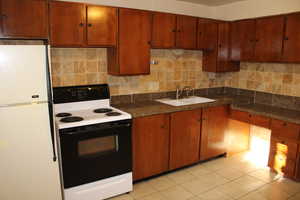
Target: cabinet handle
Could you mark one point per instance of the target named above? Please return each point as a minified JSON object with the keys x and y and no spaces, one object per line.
{"x":89,"y":25}
{"x":286,"y":38}
{"x":163,"y":127}
{"x":81,"y":24}
{"x":174,"y":30}
{"x":257,"y":40}
{"x":179,"y":31}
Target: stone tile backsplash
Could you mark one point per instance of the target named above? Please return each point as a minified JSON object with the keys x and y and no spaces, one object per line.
{"x":79,"y":66}
{"x":266,"y":83}
{"x":275,"y":78}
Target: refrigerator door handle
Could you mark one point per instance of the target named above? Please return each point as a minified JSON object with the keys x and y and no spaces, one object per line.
{"x":50,"y":104}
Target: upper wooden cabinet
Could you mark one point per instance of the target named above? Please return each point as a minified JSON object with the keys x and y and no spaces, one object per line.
{"x":150,"y":146}
{"x":243,"y":40}
{"x":75,"y":24}
{"x":269,"y":34}
{"x":212,"y":136}
{"x":102,"y":24}
{"x":174,"y":31}
{"x":163,"y":30}
{"x":185,"y":138}
{"x":207,"y":34}
{"x":216,"y":57}
{"x":291,"y":44}
{"x":24,"y":19}
{"x":186,"y":37}
{"x":67,"y":24}
{"x":132,"y":56}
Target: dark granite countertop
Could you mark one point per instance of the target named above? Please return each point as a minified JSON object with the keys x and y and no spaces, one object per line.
{"x":283,"y":114}
{"x":242,"y":103}
{"x":147,"y":108}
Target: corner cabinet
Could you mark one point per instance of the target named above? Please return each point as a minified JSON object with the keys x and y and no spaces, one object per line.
{"x":132,"y":55}
{"x":185,"y":138}
{"x":216,"y":54}
{"x":214,"y":125}
{"x":150,"y":145}
{"x":80,"y":25}
{"x":24,"y":19}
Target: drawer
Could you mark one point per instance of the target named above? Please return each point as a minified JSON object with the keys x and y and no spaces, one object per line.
{"x":240,"y":116}
{"x":285,"y":129}
{"x":261,"y":121}
{"x":290,"y":149}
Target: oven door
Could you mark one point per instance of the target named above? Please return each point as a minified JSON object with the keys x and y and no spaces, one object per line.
{"x":95,"y":152}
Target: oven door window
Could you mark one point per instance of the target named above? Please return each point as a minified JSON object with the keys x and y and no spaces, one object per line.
{"x":98,"y":146}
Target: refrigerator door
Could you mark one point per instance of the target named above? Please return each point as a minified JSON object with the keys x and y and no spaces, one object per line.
{"x":27,"y":169}
{"x":23,"y":74}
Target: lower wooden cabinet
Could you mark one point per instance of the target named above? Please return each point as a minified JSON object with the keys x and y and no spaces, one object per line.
{"x":150,"y":146}
{"x":214,"y":124}
{"x":185,"y":138}
{"x":283,"y":156}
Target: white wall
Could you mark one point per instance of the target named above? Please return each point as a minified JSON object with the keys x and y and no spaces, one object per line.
{"x":171,"y":6}
{"x":255,"y":8}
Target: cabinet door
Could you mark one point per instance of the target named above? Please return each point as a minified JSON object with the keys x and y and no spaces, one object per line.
{"x":223,"y":47}
{"x":212,"y":136}
{"x":185,"y":138}
{"x":24,"y":19}
{"x":209,"y":43}
{"x":243,"y":40}
{"x":67,"y":24}
{"x":134,"y":41}
{"x":150,"y":146}
{"x":102,"y":23}
{"x":269,"y":34}
{"x":207,"y":34}
{"x":291,"y":44}
{"x":283,"y":156}
{"x":186,"y":37}
{"x":163,"y":30}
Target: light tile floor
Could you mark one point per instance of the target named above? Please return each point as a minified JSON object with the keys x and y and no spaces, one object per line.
{"x":221,"y":179}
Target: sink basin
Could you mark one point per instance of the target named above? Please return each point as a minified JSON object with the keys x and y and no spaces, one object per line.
{"x":186,"y":101}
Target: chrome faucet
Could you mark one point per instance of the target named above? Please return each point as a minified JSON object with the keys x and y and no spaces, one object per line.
{"x":186,"y":89}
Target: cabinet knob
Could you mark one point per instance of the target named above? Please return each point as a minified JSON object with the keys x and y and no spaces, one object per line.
{"x":163,"y":127}
{"x":286,"y":38}
{"x":81,"y":24}
{"x":174,"y":30}
{"x":89,"y":25}
{"x":257,"y":40}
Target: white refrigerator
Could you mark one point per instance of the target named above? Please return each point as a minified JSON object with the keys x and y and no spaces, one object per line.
{"x":29,"y":169}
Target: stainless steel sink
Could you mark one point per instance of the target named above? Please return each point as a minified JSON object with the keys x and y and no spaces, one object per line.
{"x":185,"y":101}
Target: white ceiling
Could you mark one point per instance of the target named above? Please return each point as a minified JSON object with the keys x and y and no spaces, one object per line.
{"x":212,"y":2}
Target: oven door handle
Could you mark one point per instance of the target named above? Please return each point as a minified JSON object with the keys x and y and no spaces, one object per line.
{"x":104,"y":128}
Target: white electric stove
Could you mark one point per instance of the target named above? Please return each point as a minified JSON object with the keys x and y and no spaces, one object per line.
{"x":86,"y":113}
{"x":95,"y":143}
